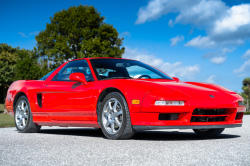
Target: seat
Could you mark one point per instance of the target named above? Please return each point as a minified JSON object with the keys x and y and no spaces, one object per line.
{"x":78,"y":71}
{"x":114,"y":74}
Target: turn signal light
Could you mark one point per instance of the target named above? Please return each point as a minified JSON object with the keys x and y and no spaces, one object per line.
{"x":171,"y":103}
{"x":135,"y":101}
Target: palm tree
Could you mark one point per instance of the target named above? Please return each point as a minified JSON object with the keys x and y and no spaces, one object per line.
{"x":246,"y":89}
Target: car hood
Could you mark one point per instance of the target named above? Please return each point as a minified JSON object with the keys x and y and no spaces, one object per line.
{"x":197,"y":91}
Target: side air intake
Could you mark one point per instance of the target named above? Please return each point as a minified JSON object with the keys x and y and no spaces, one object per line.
{"x":39,"y":100}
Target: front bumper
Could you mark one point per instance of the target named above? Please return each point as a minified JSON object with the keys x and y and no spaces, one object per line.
{"x":151,"y":120}
{"x":138,"y":127}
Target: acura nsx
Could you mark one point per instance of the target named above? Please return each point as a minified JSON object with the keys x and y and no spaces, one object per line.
{"x":121,"y":96}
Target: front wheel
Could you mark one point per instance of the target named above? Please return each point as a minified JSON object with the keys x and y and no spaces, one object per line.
{"x":23,"y":117}
{"x":115,"y":117}
{"x":208,"y":132}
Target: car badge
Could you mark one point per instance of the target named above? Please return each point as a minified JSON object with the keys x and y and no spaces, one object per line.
{"x":211,"y":96}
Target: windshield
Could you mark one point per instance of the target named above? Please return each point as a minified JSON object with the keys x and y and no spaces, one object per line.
{"x":121,"y":68}
{"x":47,"y":75}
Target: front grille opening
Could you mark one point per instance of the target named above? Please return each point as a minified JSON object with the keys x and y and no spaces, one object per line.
{"x":168,"y":116}
{"x":207,"y":119}
{"x":209,"y":111}
{"x":239,"y":115}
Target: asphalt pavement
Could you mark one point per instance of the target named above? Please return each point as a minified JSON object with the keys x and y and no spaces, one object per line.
{"x":86,"y":146}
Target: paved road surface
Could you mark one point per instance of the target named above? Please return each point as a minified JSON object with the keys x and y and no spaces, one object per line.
{"x":85,"y":146}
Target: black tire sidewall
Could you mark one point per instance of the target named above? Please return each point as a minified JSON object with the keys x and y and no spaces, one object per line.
{"x":124,"y":122}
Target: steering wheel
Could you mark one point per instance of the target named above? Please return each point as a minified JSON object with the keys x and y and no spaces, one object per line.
{"x":144,"y":76}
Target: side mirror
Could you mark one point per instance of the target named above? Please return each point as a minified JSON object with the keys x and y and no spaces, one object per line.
{"x":78,"y":77}
{"x":176,"y":79}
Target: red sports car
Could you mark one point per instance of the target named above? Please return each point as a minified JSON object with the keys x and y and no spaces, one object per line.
{"x":121,"y":96}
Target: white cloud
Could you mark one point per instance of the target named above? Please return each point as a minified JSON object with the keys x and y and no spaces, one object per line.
{"x":123,"y":34}
{"x":225,"y":51}
{"x":218,"y":56}
{"x":218,"y":59}
{"x":142,"y":56}
{"x":236,"y":17}
{"x":175,"y":69}
{"x":30,"y":34}
{"x":231,"y":28}
{"x":22,"y":34}
{"x":201,"y":42}
{"x":176,"y":39}
{"x":211,"y":79}
{"x":178,"y":70}
{"x":244,"y":69}
{"x":225,"y":26}
{"x":154,"y":10}
{"x":171,"y":23}
{"x":247,"y":54}
{"x":34,"y":33}
{"x":197,"y":12}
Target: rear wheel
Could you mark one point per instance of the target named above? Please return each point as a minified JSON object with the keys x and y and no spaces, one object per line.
{"x":115,"y":117}
{"x":208,"y":132}
{"x":23,"y":117}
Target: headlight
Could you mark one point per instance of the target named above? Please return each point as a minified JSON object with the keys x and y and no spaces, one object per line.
{"x":171,"y":103}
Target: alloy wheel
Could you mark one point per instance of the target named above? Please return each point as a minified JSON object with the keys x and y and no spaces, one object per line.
{"x":112,"y":116}
{"x":22,"y":114}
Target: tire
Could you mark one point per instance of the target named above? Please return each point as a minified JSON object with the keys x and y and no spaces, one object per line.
{"x":208,"y":132}
{"x":23,"y":117}
{"x":115,"y":123}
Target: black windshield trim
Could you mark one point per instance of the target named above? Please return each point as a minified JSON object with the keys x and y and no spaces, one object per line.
{"x":153,"y":68}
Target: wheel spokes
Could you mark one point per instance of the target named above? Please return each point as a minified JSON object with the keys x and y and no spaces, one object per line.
{"x":113,"y":127}
{"x":109,"y":106}
{"x":25,"y":116}
{"x":23,"y":122}
{"x":107,"y":124}
{"x":22,"y":106}
{"x":117,"y":122}
{"x":114,"y":106}
{"x":118,"y":113}
{"x":106,"y":114}
{"x":19,"y":107}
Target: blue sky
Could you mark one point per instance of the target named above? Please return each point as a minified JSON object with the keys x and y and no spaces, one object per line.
{"x":198,"y":40}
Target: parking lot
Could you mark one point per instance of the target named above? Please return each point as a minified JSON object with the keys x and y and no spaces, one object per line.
{"x":86,"y":146}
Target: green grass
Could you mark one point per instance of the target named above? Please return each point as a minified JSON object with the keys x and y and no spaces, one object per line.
{"x":247,"y":113}
{"x":5,"y":119}
{"x":1,"y":107}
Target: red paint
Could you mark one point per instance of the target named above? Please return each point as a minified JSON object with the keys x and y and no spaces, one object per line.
{"x":79,"y":77}
{"x":74,"y":103}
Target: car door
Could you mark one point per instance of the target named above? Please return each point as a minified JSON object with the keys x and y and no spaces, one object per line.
{"x":69,"y":100}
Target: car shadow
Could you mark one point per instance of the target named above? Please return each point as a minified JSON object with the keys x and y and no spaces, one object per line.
{"x":88,"y":132}
{"x":176,"y":136}
{"x":140,"y":135}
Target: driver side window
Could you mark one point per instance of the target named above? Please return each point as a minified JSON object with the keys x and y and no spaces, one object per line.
{"x":79,"y":66}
